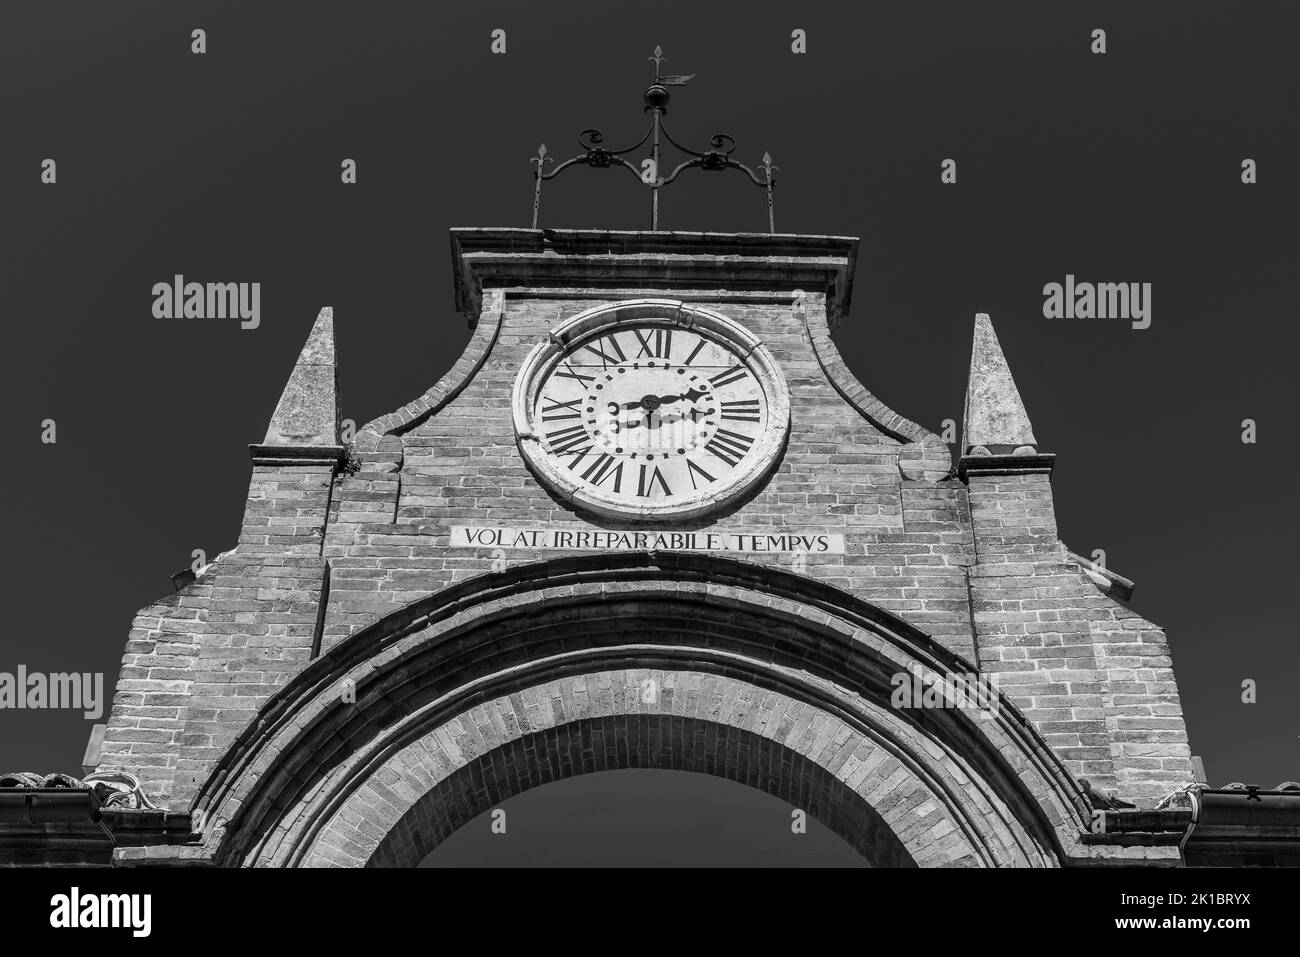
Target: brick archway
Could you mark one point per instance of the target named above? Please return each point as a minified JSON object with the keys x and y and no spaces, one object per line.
{"x":592,"y":745}
{"x":320,"y":780}
{"x":594,"y":722}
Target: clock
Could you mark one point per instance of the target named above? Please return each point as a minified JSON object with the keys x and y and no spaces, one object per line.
{"x":650,"y":409}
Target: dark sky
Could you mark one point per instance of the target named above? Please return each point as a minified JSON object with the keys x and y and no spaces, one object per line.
{"x":225,"y":167}
{"x":643,"y":818}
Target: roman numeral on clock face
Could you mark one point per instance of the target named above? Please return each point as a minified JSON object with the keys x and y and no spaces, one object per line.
{"x":645,"y":485}
{"x":607,"y":359}
{"x":605,"y":467}
{"x":561,"y":410}
{"x":564,"y":441}
{"x":742,"y":410}
{"x":570,"y":373}
{"x":693,"y":470}
{"x":728,"y":376}
{"x":729,"y":446}
{"x":656,"y":343}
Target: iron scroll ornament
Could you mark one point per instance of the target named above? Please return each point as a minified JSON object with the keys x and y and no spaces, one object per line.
{"x":595,"y":154}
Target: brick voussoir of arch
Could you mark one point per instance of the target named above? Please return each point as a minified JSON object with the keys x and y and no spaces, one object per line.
{"x":901,"y":797}
{"x":390,"y":661}
{"x":478,"y":721}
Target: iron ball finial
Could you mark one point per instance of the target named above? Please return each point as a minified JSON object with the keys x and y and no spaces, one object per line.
{"x":657,"y":97}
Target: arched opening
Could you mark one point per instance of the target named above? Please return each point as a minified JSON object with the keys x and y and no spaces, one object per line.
{"x":897,"y":804}
{"x":640,"y":817}
{"x":638,"y":741}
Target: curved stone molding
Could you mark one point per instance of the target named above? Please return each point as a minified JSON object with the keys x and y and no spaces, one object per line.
{"x":600,"y":720}
{"x":658,"y":741}
{"x":847,"y":384}
{"x":370,"y":438}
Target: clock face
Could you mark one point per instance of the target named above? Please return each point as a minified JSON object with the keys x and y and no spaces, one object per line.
{"x":650,"y":418}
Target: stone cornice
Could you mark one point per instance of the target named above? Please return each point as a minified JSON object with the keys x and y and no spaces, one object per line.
{"x":1110,"y":583}
{"x":297,"y":454}
{"x":1024,"y":463}
{"x":541,"y":258}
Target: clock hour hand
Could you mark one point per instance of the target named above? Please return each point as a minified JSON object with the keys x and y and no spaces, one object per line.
{"x":652,"y":402}
{"x":690,"y":396}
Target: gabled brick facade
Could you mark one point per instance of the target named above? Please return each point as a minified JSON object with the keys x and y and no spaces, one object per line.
{"x":343,"y":547}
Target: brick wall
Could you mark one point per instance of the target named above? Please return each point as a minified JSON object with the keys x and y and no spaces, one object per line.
{"x":1093,"y":676}
{"x":200,"y":663}
{"x":461,"y":466}
{"x":980,"y":569}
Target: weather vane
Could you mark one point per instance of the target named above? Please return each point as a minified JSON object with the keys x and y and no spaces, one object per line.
{"x":717,"y":157}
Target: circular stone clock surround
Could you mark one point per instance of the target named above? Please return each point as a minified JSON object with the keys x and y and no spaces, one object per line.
{"x":591,"y":324}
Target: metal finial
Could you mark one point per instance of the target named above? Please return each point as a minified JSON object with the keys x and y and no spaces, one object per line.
{"x":540,"y":159}
{"x":769,"y":181}
{"x":648,"y":171}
